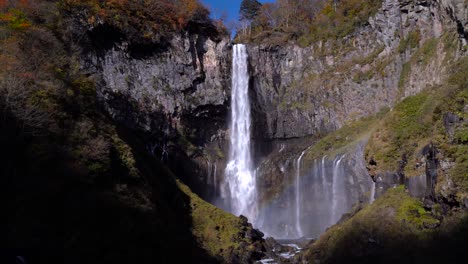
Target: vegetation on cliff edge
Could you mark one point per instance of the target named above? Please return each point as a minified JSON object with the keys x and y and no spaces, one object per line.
{"x":419,"y":121}
{"x":307,"y":21}
{"x":395,"y":228}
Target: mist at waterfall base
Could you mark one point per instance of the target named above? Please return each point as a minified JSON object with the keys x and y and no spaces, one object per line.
{"x":322,"y":193}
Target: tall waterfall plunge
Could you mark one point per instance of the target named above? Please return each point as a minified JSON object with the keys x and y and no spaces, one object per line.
{"x":240,"y":178}
{"x":314,"y":193}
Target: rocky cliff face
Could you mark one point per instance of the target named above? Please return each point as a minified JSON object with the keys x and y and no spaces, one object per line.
{"x":189,"y":76}
{"x":314,"y":90}
{"x":173,"y":97}
{"x":301,"y":94}
{"x":176,"y":92}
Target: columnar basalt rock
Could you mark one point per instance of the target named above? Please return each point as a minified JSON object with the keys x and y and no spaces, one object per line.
{"x":313,"y":90}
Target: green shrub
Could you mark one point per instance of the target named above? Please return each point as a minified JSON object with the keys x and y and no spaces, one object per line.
{"x":363,"y":76}
{"x":461,"y":135}
{"x":412,"y":41}
{"x":341,"y":21}
{"x":412,"y":211}
{"x":344,"y":137}
{"x":426,"y":52}
{"x":216,"y":231}
{"x":369,"y":58}
{"x":126,"y":156}
{"x":85,"y":86}
{"x":408,"y":118}
{"x":15,"y":19}
{"x":405,"y":73}
{"x":459,"y":173}
{"x":392,"y":220}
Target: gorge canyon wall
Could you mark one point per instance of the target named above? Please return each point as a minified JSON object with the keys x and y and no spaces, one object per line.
{"x":177,"y":94}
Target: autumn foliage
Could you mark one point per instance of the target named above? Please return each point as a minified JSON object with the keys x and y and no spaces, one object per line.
{"x":311,"y":20}
{"x":3,"y":4}
{"x":148,"y":17}
{"x":15,"y":19}
{"x":13,"y":13}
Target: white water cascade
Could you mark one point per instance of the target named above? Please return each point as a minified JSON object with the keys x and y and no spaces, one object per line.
{"x":298,"y":195}
{"x":337,"y":188}
{"x":239,"y":177}
{"x":324,"y":178}
{"x":372,"y":193}
{"x":215,"y":179}
{"x":208,"y":177}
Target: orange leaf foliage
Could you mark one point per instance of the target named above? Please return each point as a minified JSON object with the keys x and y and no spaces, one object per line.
{"x":3,"y":4}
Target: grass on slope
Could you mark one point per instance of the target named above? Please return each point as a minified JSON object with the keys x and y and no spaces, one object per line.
{"x":343,"y":138}
{"x":418,"y":120}
{"x":217,"y":231}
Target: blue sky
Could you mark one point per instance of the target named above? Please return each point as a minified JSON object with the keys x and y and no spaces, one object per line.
{"x":231,"y":7}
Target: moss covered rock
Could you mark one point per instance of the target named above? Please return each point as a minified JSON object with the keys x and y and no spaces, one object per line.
{"x":229,"y":238}
{"x":395,"y":228}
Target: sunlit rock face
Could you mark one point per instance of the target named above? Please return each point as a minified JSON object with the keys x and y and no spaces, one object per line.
{"x":175,"y":92}
{"x":188,"y":75}
{"x":303,"y":93}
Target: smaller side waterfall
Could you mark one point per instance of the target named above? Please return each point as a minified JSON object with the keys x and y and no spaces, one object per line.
{"x":320,"y":190}
{"x":298,"y":195}
{"x":324,"y":178}
{"x":208,"y":177}
{"x":337,"y":187}
{"x":372,"y":193}
{"x":215,"y":179}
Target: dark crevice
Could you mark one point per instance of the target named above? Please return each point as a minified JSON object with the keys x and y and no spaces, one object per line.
{"x":193,"y":51}
{"x":200,"y":48}
{"x":145,"y":50}
{"x":195,"y":83}
{"x":104,"y":37}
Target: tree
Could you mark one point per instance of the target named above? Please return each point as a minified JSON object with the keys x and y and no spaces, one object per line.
{"x":267,"y":17}
{"x":15,"y":98}
{"x":247,"y":13}
{"x":3,"y":4}
{"x":249,"y":9}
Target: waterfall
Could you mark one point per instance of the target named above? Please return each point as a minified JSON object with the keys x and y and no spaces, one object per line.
{"x":335,"y":187}
{"x":298,"y":194}
{"x":214,"y":177}
{"x":239,"y":176}
{"x":372,"y":193}
{"x":320,"y":192}
{"x":208,"y":178}
{"x":324,"y":179}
